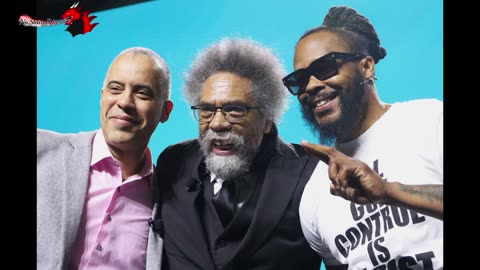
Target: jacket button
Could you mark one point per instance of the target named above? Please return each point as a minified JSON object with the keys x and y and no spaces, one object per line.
{"x":222,"y":244}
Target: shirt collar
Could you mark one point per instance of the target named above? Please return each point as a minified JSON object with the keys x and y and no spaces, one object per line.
{"x":147,"y":165}
{"x":101,"y":151}
{"x":100,"y":148}
{"x":212,"y":177}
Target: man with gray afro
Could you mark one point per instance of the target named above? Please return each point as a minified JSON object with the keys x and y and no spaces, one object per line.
{"x":230,"y":198}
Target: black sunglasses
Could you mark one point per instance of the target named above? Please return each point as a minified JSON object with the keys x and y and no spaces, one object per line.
{"x":322,"y":68}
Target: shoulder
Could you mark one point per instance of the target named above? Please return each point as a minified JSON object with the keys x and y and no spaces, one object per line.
{"x":417,"y":112}
{"x":44,"y":135}
{"x":423,"y":106}
{"x":424,"y":103}
{"x":290,"y":149}
{"x":185,"y":146}
{"x":175,"y":161}
{"x":178,"y":150}
{"x":294,"y":150}
{"x":48,"y":140}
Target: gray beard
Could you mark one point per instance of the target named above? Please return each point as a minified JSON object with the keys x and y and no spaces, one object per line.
{"x":227,"y":167}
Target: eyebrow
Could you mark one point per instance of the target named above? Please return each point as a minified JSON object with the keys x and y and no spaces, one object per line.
{"x":232,"y":102}
{"x":114,"y":82}
{"x":135,"y":86}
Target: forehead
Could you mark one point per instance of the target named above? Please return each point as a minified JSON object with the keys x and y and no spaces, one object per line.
{"x":226,"y":87}
{"x":131,"y":68}
{"x":317,"y":45}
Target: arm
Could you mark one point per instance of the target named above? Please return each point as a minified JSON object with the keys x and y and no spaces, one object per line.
{"x":355,"y":181}
{"x":425,"y":199}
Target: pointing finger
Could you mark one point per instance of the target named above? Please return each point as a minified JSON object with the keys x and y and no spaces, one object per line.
{"x":333,"y":172}
{"x":324,"y":153}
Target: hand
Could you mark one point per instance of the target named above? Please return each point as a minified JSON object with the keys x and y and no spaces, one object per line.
{"x":351,"y":179}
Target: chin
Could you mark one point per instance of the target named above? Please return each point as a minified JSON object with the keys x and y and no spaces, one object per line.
{"x":120,"y":137}
{"x":328,"y":120}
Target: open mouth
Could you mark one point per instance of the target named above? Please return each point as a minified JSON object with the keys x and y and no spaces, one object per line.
{"x":323,"y":101}
{"x":223,"y":147}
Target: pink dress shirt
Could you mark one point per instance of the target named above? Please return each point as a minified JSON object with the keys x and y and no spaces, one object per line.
{"x":114,"y":227}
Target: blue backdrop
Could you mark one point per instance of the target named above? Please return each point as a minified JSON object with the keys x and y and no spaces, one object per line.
{"x":70,"y":71}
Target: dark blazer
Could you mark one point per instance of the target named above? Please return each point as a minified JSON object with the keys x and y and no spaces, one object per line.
{"x":274,"y":239}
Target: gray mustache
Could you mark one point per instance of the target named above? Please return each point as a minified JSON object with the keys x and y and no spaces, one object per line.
{"x":229,"y":136}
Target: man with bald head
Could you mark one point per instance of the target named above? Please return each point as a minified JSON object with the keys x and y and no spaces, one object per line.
{"x":95,"y":193}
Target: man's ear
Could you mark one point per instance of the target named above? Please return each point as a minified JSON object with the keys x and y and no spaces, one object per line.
{"x":167,"y":109}
{"x":369,"y":67}
{"x":101,"y":96}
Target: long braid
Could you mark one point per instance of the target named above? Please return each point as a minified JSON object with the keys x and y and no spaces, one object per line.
{"x":346,"y":21}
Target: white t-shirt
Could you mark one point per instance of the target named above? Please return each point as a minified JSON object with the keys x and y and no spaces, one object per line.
{"x":405,"y":145}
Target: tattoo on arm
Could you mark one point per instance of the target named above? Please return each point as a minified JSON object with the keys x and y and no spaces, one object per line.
{"x":432,"y":193}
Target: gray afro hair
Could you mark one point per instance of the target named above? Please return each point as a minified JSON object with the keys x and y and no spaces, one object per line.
{"x":246,"y":58}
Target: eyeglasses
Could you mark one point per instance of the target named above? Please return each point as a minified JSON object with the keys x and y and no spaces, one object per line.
{"x":232,"y":113}
{"x":322,"y":68}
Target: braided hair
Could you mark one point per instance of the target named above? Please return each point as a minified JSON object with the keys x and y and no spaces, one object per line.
{"x":354,"y":28}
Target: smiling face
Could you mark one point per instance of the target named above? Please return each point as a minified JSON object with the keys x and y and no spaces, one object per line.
{"x":131,"y":107}
{"x":334,"y":106}
{"x":230,"y":147}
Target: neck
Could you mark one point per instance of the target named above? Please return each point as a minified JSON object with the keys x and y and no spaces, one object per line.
{"x":375,"y":108}
{"x":130,"y":161}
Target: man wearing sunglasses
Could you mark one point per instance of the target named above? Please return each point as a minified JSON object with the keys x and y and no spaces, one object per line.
{"x":231,"y":197}
{"x":376,"y":199}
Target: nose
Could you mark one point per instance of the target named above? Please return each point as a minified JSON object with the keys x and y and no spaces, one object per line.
{"x":314,"y":86}
{"x":219,"y":123}
{"x":126,"y":100}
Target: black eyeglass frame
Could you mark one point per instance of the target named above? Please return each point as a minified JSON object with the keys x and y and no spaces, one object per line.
{"x":226,"y":114}
{"x":328,"y":61}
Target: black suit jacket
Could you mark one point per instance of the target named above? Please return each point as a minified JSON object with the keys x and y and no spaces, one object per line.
{"x":274,"y":239}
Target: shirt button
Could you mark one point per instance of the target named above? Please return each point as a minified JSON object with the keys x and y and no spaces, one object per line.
{"x":109,"y":218}
{"x":99,"y":247}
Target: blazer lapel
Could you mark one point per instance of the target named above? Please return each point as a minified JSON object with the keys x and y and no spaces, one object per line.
{"x":77,"y":164}
{"x":189,"y":199}
{"x":281,"y":179}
